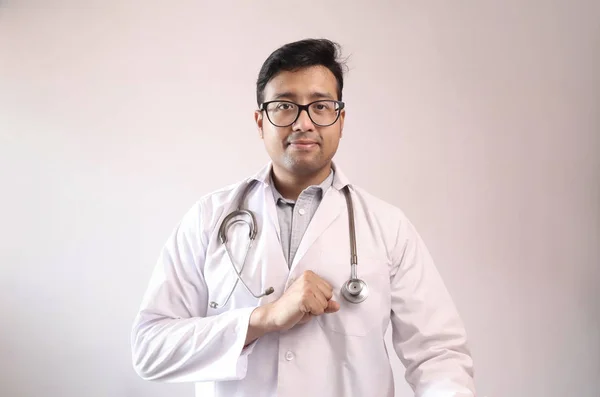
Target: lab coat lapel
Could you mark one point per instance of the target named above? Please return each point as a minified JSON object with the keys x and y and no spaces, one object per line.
{"x":268,"y":244}
{"x":272,"y":211}
{"x":327,"y":212}
{"x":263,"y":176}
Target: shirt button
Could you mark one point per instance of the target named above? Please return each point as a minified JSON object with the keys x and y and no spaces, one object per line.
{"x":289,"y":356}
{"x":301,"y":211}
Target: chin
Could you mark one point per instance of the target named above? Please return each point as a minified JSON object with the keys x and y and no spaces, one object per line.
{"x":304,"y":166}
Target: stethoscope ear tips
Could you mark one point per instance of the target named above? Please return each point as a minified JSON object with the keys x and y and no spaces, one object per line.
{"x":355,"y":290}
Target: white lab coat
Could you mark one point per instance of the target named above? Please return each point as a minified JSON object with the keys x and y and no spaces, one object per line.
{"x":177,"y":337}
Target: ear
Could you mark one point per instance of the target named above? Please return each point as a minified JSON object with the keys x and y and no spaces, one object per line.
{"x":258,"y":119}
{"x":342,"y":118}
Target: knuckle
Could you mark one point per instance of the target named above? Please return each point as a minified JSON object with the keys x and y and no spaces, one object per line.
{"x":306,"y":292}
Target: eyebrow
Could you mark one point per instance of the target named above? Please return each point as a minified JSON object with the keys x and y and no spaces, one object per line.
{"x":313,"y":95}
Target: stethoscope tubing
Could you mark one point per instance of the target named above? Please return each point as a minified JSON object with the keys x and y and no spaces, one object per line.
{"x":354,"y":290}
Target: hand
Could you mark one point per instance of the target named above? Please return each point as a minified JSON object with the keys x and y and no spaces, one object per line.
{"x":307,"y":297}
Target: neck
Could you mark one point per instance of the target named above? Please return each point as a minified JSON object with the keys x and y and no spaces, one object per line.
{"x":291,"y":185}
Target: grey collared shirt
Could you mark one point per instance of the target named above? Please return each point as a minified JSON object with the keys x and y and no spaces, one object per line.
{"x":294,"y":217}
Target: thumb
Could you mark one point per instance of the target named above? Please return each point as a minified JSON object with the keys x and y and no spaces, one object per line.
{"x":332,"y":307}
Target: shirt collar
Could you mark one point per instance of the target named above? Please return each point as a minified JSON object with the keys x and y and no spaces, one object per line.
{"x":320,"y":188}
{"x":339,"y":180}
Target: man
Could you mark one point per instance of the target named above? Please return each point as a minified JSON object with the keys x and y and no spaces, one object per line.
{"x":306,"y":334}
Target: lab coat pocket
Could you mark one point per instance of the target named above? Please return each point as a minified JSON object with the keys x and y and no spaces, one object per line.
{"x":359,"y":319}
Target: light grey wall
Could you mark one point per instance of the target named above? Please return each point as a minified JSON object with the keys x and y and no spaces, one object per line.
{"x":481,"y":120}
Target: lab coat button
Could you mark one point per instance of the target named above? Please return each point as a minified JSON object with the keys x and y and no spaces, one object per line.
{"x":289,"y":356}
{"x":301,"y":211}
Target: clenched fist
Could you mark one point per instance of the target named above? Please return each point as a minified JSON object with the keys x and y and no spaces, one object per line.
{"x":307,"y":297}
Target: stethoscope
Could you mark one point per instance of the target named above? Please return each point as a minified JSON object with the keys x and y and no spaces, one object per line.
{"x":354,"y":289}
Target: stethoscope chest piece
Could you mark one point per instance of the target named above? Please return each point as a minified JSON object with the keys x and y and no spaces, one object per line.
{"x":355,"y":290}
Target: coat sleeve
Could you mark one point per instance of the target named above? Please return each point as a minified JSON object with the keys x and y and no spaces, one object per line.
{"x":172,"y":339}
{"x":427,"y":333}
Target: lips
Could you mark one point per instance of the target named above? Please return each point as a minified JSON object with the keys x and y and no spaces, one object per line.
{"x":302,"y":144}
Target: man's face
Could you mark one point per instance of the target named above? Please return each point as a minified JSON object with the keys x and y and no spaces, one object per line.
{"x":302,"y":148}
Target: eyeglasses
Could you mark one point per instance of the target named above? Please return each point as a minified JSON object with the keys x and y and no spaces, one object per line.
{"x":285,"y":113}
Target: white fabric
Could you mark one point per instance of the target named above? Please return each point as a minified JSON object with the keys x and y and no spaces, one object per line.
{"x":177,"y":337}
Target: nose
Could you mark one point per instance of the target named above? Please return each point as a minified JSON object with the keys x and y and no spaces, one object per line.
{"x":303,"y":123}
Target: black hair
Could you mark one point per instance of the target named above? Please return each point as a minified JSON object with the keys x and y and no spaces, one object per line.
{"x":298,"y":55}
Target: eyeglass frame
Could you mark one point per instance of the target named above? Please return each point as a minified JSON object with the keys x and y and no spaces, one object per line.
{"x":340,"y":104}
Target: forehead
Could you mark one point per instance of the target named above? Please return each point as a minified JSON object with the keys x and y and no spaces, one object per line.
{"x":302,"y":84}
